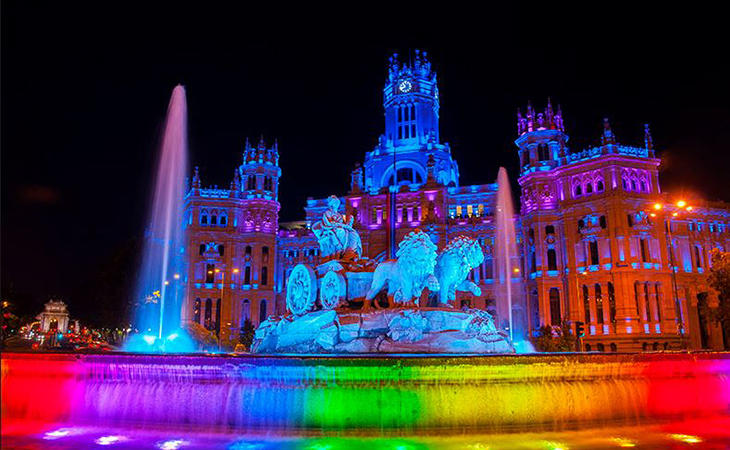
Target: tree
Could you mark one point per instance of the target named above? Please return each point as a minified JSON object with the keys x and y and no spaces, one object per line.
{"x":247,"y":334}
{"x":555,"y":339}
{"x":719,"y":279}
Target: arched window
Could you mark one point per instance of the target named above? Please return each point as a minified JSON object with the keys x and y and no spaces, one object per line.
{"x":218,"y":317}
{"x":245,"y":311}
{"x":647,"y":308}
{"x":542,"y":152}
{"x":658,"y":303}
{"x":611,"y":303}
{"x":599,"y":186}
{"x":552,"y":259}
{"x":196,"y":311}
{"x":655,"y":346}
{"x":264,"y":276}
{"x":625,"y":184}
{"x":247,"y":275}
{"x":201,"y":249}
{"x":525,"y":158}
{"x":210,"y":273}
{"x":208,"y":314}
{"x":247,"y":254}
{"x":221,"y":249}
{"x":698,"y":259}
{"x":531,"y":233}
{"x":633,"y":184}
{"x":204,"y":217}
{"x":614,"y":347}
{"x":262,"y":311}
{"x":265,"y":254}
{"x":577,"y":191}
{"x":586,"y":305}
{"x":599,"y":304}
{"x":555,"y":315}
{"x":602,"y":222}
{"x":251,"y":182}
{"x":588,"y":347}
{"x":224,"y":219}
{"x":550,"y":229}
{"x":600,"y":347}
{"x":214,"y":218}
{"x":589,"y":188}
{"x":644,"y":346}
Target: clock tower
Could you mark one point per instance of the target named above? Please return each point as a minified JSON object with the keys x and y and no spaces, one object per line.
{"x":411,"y":109}
{"x":411,"y":102}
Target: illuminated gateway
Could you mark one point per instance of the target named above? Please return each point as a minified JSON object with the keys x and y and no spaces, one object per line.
{"x":594,"y":241}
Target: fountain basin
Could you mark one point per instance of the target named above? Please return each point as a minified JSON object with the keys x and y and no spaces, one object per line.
{"x":302,"y":395}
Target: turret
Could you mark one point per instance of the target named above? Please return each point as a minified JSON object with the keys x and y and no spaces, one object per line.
{"x":541,"y":138}
{"x":260,"y":172}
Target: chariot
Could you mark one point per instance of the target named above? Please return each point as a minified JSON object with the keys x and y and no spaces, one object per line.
{"x":328,"y":285}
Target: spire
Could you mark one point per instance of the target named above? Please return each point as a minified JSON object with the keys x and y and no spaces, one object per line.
{"x":607,"y":137}
{"x":356,"y":179}
{"x":648,"y":143}
{"x":236,"y":183}
{"x":196,"y":178}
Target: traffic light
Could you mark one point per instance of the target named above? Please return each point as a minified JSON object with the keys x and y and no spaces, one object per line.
{"x":579,"y":330}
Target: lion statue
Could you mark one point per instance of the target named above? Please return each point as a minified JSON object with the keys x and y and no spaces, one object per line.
{"x":459,"y":257}
{"x":411,"y":271}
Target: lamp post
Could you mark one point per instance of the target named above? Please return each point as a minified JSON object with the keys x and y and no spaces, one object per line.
{"x":682,"y":206}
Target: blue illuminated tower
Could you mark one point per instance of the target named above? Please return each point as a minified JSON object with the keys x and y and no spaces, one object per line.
{"x":411,"y":107}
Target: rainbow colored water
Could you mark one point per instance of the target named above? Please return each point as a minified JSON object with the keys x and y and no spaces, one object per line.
{"x":363,"y":396}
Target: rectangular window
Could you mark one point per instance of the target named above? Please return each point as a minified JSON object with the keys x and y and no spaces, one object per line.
{"x":644,"y":253}
{"x":594,"y":252}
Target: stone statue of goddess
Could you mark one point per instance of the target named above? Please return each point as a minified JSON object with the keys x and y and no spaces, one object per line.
{"x":337,"y":238}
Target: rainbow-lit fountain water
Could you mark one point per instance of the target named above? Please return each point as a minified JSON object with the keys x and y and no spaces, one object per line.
{"x":509,"y":292}
{"x":159,"y":294}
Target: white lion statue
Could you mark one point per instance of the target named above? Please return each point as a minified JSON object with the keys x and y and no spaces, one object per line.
{"x":411,"y":271}
{"x":453,"y":265}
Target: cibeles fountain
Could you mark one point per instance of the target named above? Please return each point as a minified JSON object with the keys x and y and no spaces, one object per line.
{"x":351,"y":304}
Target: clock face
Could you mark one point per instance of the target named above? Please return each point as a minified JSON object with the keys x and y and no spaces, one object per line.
{"x":405,"y":86}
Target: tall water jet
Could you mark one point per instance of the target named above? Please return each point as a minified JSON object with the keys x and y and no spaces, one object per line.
{"x":159,"y":283}
{"x":511,"y":310}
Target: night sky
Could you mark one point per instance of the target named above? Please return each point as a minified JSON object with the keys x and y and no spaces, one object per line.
{"x":85,"y":89}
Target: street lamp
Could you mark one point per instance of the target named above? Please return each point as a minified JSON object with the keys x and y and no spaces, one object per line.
{"x":682,"y":205}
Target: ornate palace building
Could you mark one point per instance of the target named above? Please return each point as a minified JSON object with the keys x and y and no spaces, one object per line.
{"x":600,"y":242}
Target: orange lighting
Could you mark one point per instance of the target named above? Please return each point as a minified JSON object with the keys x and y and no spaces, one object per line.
{"x":653,"y":215}
{"x":235,"y":270}
{"x":674,"y":214}
{"x":217,"y":270}
{"x":176,"y":276}
{"x":210,"y":271}
{"x":657,"y":206}
{"x":516,"y":270}
{"x":681,"y":203}
{"x":689,"y":208}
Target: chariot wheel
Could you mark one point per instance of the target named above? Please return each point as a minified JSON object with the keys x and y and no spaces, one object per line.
{"x":301,"y":289}
{"x":332,"y":290}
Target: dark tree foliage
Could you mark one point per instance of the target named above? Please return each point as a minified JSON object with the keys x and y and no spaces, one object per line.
{"x":555,"y":339}
{"x":247,"y":334}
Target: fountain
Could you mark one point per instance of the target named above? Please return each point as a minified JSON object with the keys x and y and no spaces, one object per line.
{"x":511,"y":308}
{"x":159,"y":293}
{"x":355,"y":395}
